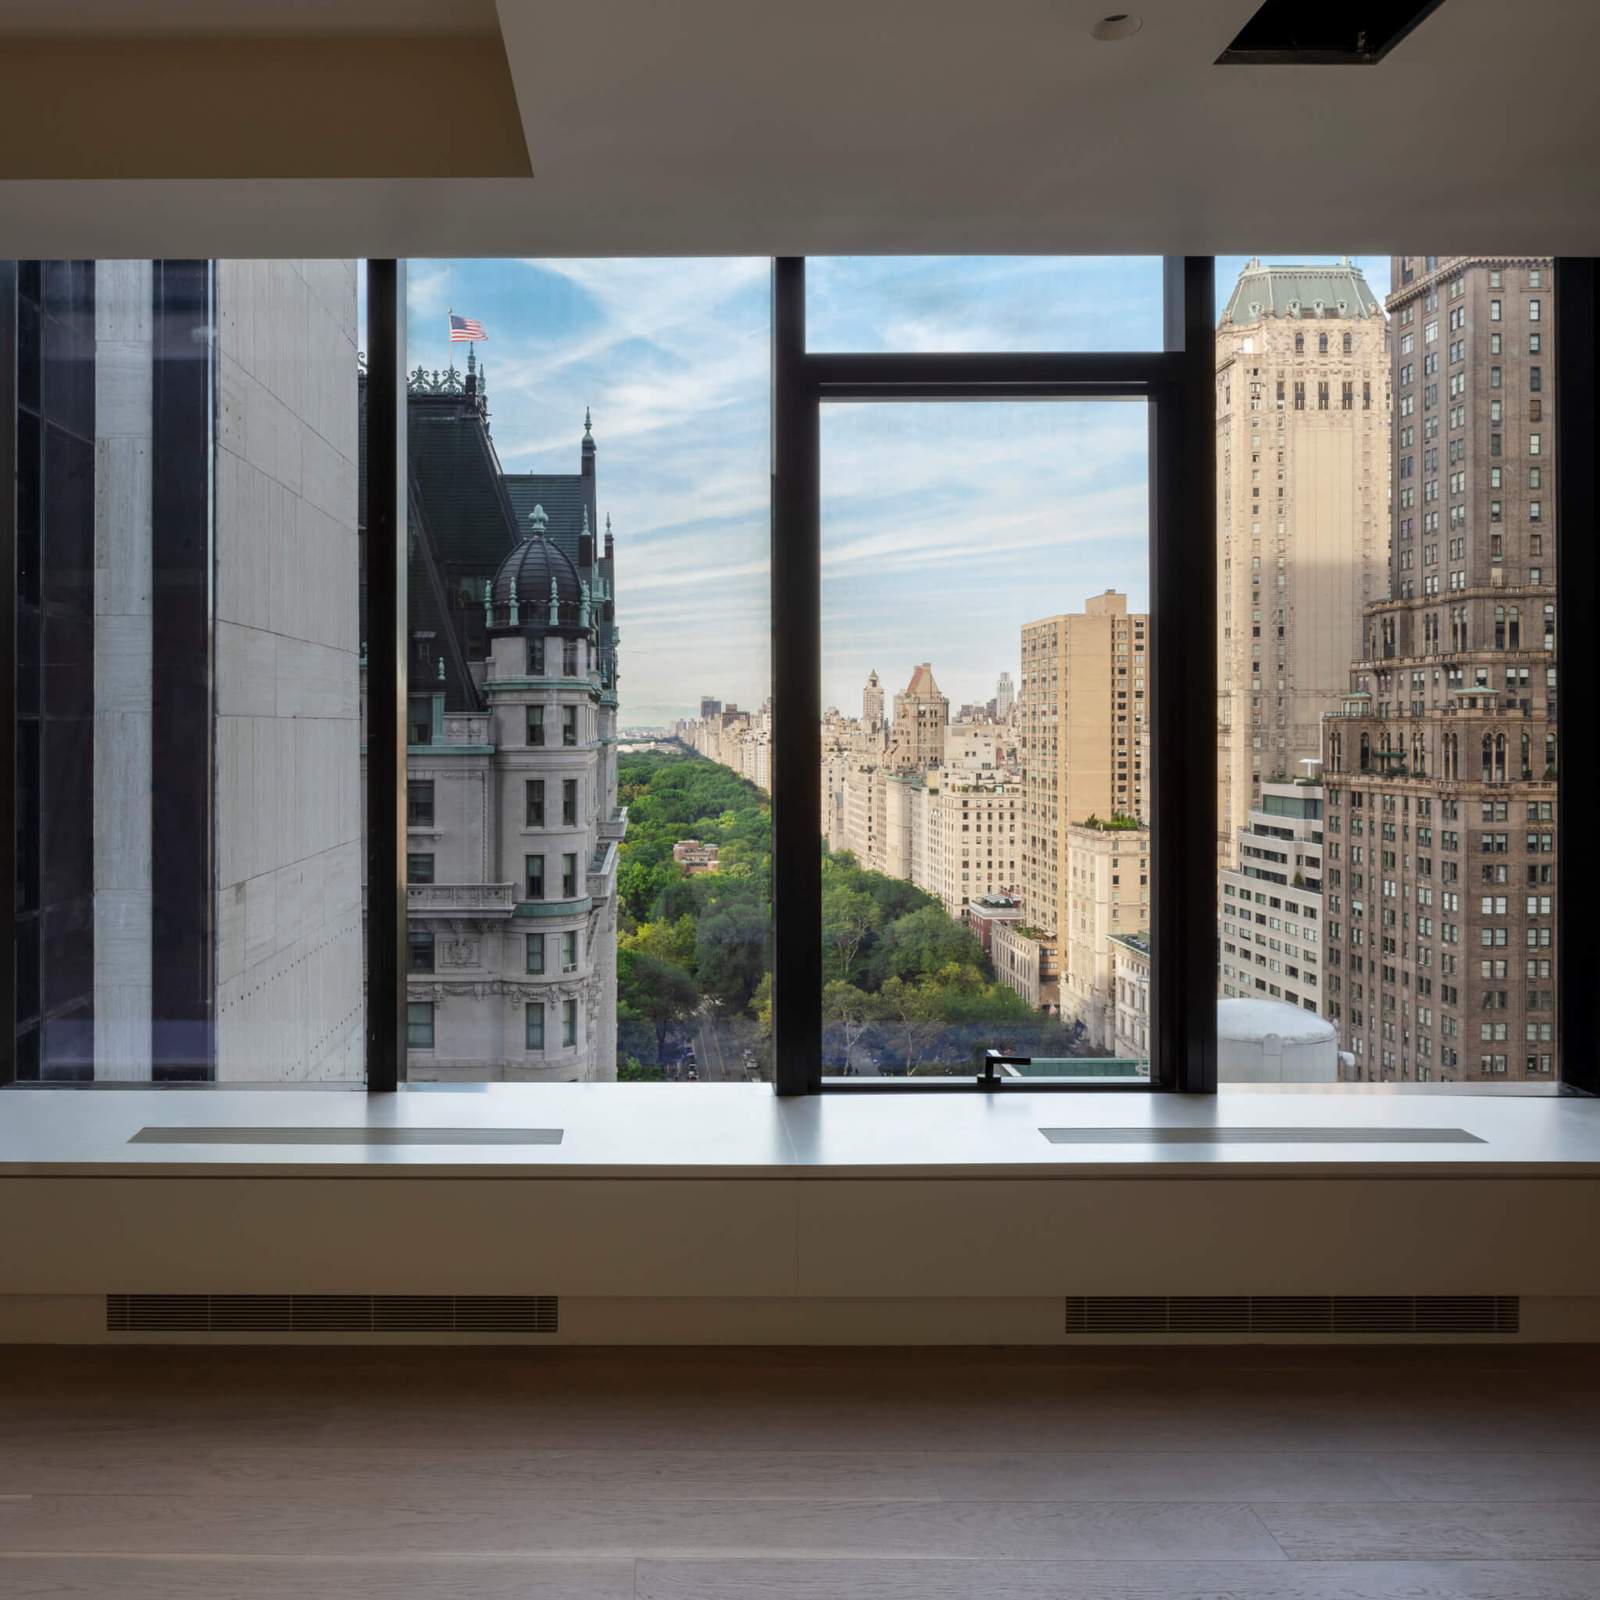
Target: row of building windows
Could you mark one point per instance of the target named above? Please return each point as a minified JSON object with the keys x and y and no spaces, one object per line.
{"x":534,"y":876}
{"x":569,"y":727}
{"x":421,"y":941}
{"x":420,"y":1025}
{"x":534,"y":806}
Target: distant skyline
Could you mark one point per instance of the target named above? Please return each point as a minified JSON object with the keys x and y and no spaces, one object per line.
{"x":944,"y":528}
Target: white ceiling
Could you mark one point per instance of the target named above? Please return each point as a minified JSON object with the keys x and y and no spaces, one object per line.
{"x":836,"y":126}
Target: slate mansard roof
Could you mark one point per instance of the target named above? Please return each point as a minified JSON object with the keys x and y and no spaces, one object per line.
{"x":1339,"y":290}
{"x":470,"y":524}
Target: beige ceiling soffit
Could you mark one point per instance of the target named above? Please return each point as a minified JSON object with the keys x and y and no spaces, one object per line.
{"x":194,"y":19}
{"x":439,"y":106}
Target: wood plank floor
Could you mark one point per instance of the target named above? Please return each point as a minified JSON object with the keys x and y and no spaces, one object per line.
{"x":1259,"y":1474}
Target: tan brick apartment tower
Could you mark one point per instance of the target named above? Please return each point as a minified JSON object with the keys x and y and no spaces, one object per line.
{"x":1440,"y":765}
{"x":1302,"y":514}
{"x":1082,"y":740}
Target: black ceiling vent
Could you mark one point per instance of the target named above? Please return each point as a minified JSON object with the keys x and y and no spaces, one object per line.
{"x":1291,"y":33}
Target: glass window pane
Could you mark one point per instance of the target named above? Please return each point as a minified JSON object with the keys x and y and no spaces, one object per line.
{"x":419,"y":1025}
{"x":986,"y":781}
{"x":994,"y":303}
{"x":189,"y":651}
{"x":589,"y":556}
{"x":1387,"y":710}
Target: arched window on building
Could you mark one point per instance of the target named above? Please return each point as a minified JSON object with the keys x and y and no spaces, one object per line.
{"x":1514,"y":628}
{"x":1336,"y":751}
{"x":1488,"y":758}
{"x":1347,"y":344}
{"x":1322,"y":344}
{"x":1499,"y":627}
{"x":1526,"y":768}
{"x":1366,"y":754}
{"x":1299,"y":344}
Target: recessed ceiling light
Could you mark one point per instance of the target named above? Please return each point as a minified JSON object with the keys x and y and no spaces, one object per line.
{"x":1120,"y":25}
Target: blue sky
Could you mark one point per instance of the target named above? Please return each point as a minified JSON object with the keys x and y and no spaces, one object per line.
{"x":944,"y":527}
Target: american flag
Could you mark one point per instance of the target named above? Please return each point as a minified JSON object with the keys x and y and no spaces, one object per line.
{"x":465,"y":330}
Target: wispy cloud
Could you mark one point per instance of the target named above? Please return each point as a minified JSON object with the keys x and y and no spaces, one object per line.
{"x":944,"y":527}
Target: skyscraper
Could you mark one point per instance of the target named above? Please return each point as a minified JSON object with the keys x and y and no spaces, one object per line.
{"x":1082,"y":739}
{"x":872,"y":707}
{"x":1302,"y":522}
{"x":1005,"y":696}
{"x":1441,"y":762}
{"x":187,"y":725}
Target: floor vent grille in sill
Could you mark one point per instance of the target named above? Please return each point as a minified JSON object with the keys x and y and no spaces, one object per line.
{"x":1394,"y":1313}
{"x":332,"y":1313}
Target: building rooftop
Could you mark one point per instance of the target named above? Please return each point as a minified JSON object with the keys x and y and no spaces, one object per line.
{"x":1246,"y":1021}
{"x":1339,"y":290}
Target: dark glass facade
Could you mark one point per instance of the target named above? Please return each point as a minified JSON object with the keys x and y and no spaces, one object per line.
{"x":53,"y":424}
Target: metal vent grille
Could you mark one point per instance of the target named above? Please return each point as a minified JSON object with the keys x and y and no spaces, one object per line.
{"x":1259,"y":1136}
{"x":1397,"y":1313}
{"x":332,"y":1313}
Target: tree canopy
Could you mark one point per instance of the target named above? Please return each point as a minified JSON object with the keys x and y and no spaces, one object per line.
{"x":902,"y":979}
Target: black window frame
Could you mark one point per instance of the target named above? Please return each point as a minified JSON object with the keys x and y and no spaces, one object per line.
{"x":1178,"y":385}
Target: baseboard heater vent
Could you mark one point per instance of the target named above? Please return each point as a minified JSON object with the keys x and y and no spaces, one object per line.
{"x":332,"y":1313}
{"x":1261,"y":1136}
{"x":1383,"y":1313}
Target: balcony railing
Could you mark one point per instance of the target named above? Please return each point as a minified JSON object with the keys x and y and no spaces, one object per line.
{"x":602,"y":874}
{"x":461,"y":899}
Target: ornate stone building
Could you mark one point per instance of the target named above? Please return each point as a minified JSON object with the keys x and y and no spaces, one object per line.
{"x":1440,"y":766}
{"x":513,"y":826}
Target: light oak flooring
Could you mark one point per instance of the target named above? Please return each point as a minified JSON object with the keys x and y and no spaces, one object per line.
{"x":1178,"y":1474}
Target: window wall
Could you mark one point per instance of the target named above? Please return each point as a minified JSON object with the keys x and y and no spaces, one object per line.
{"x":185,"y":637}
{"x":1388,"y":656}
{"x":937,"y":536}
{"x":588,"y":746}
{"x":986,"y":639}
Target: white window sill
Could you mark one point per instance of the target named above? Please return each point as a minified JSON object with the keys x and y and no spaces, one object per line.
{"x":744,"y":1131}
